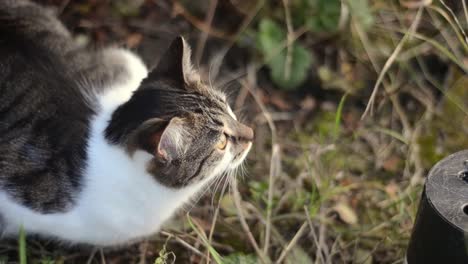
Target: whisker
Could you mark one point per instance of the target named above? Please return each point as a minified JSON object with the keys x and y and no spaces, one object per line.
{"x":219,"y":182}
{"x":197,"y":197}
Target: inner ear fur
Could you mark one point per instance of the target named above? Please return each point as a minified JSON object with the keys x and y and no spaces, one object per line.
{"x":166,"y":140}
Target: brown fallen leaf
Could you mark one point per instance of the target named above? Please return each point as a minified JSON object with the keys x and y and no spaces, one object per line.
{"x":392,"y":164}
{"x":346,"y":213}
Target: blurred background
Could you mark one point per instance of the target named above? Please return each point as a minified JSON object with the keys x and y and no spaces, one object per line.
{"x":352,"y":103}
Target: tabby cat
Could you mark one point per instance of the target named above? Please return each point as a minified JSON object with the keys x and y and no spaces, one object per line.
{"x":94,"y":148}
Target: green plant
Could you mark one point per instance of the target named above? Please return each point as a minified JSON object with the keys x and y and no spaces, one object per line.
{"x":287,"y":75}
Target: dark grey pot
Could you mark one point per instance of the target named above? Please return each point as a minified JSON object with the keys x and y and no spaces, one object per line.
{"x":440,"y":232}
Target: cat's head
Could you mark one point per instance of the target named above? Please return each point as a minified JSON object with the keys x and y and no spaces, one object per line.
{"x":185,"y":124}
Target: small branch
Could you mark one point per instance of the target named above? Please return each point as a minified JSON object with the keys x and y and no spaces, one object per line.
{"x":143,"y":251}
{"x":213,"y":223}
{"x":275,"y":160}
{"x":292,"y":243}
{"x":204,"y":35}
{"x":103,"y":258}
{"x":245,"y":226}
{"x":91,"y":256}
{"x":199,"y":24}
{"x":465,"y":10}
{"x":415,"y":4}
{"x":319,"y":253}
{"x":389,"y":62}
{"x":290,"y":39}
{"x":455,"y":18}
{"x":184,"y":243}
{"x":275,"y":164}
{"x":233,"y":38}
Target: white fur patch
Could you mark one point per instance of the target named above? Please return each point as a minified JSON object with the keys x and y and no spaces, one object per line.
{"x":120,"y":201}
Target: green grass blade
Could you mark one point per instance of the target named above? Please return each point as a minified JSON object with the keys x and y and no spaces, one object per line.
{"x":441,"y":49}
{"x":212,"y":251}
{"x":22,"y":246}
{"x":392,"y":134}
{"x":338,"y":115}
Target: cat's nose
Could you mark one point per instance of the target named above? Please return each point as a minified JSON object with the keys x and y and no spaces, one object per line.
{"x":246,"y":133}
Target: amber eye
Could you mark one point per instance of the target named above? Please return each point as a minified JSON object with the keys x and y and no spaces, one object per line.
{"x":222,"y":142}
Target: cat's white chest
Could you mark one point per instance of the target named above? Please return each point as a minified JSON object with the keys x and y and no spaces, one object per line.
{"x":118,"y":204}
{"x":126,"y":203}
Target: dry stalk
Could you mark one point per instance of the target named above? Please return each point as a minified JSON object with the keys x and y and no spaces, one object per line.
{"x":143,"y":251}
{"x":390,"y":60}
{"x":213,"y":224}
{"x":245,"y":226}
{"x":204,"y":35}
{"x":275,"y":159}
{"x":292,"y":243}
{"x":178,"y":8}
{"x":91,"y":256}
{"x":288,"y":62}
{"x":184,"y":243}
{"x":103,"y":258}
{"x":465,"y":10}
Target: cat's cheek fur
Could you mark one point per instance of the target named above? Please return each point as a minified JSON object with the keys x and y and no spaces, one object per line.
{"x":120,"y":201}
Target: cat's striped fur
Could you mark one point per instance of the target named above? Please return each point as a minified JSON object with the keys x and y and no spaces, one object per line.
{"x":93,"y":147}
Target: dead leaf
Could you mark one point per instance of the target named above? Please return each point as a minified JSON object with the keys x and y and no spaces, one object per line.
{"x":308,"y":104}
{"x":392,"y":164}
{"x":346,"y":213}
{"x":392,"y":190}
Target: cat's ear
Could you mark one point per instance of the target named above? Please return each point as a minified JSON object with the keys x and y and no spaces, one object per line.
{"x":165,"y":140}
{"x":172,"y":142}
{"x":175,"y":63}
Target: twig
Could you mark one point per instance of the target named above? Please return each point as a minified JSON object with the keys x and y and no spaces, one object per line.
{"x":465,"y":10}
{"x":245,"y":24}
{"x":444,"y":30}
{"x":275,"y":164}
{"x":322,"y":233}
{"x":455,"y":18}
{"x":319,"y":253}
{"x":389,"y":62}
{"x":245,"y":226}
{"x":288,"y":62}
{"x":103,"y":258}
{"x":201,"y":25}
{"x":298,"y":33}
{"x":292,"y":243}
{"x":62,"y":7}
{"x":213,"y":223}
{"x":143,"y":251}
{"x":275,"y":161}
{"x":91,"y":256}
{"x":183,"y":243}
{"x":204,"y":35}
{"x":415,"y":4}
{"x":241,"y":97}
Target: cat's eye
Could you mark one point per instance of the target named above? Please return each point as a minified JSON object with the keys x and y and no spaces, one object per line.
{"x":222,"y":142}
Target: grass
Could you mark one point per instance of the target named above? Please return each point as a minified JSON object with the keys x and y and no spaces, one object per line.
{"x":325,"y":183}
{"x":22,"y":247}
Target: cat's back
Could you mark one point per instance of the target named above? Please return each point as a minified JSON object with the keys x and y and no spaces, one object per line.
{"x":44,"y":117}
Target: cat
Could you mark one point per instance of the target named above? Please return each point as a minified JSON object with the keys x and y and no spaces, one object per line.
{"x":94,"y":147}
